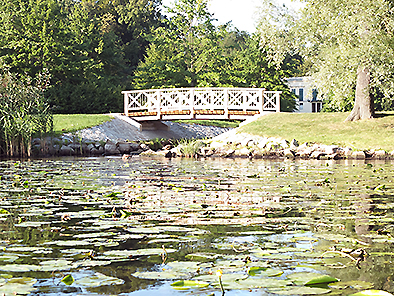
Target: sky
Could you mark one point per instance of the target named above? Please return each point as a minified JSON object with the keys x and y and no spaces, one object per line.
{"x":242,"y":13}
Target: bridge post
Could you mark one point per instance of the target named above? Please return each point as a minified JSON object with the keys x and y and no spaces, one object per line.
{"x":158,"y":104}
{"x":126,"y":103}
{"x":191,"y":98}
{"x":278,"y":101}
{"x":226,"y":103}
{"x":261,"y":101}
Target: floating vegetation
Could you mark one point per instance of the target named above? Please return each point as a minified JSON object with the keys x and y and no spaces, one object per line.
{"x":109,"y":227}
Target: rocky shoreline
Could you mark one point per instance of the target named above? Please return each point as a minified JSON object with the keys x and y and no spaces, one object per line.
{"x":232,"y":144}
{"x":204,"y":141}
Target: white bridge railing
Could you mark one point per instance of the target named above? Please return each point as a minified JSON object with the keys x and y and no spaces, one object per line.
{"x":199,"y":103}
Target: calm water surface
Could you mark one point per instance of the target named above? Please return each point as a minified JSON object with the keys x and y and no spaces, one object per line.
{"x":135,"y":227}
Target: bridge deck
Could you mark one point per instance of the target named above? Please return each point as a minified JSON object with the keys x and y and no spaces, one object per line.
{"x":199,"y":103}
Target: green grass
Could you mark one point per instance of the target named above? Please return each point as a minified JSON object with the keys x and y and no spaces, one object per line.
{"x":327,"y":128}
{"x":66,"y":123}
{"x":219,"y":123}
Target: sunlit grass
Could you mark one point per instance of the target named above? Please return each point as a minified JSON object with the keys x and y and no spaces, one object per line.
{"x":64,"y":123}
{"x":327,"y":128}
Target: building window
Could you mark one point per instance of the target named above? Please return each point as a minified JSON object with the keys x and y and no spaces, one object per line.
{"x":314,"y":95}
{"x":313,"y":107}
{"x":301,"y":94}
{"x":301,"y":106}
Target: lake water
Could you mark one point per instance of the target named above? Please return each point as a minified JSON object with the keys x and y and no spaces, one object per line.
{"x":104,"y":226}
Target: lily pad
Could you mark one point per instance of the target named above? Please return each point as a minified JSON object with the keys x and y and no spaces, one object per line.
{"x":19,"y":267}
{"x":300,"y":291}
{"x":68,"y":279}
{"x":98,"y":280}
{"x":188,"y":284}
{"x":263,"y":271}
{"x":351,"y":284}
{"x":372,"y":293}
{"x":253,"y":283}
{"x":309,"y":278}
{"x":22,"y":286}
{"x":161,"y":275}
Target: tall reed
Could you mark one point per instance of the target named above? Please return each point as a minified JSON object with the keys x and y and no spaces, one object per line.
{"x":23,"y":112}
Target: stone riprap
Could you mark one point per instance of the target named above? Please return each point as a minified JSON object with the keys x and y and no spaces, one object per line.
{"x":233,"y":144}
{"x":117,"y":137}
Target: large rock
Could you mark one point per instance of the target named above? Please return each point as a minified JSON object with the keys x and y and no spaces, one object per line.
{"x":124,"y":147}
{"x":66,"y":151}
{"x":380,"y":154}
{"x":358,"y":155}
{"x":111,"y":148}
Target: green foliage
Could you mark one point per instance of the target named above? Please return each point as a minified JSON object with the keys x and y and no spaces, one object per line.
{"x":89,"y":47}
{"x":338,"y":37}
{"x":24,"y":111}
{"x":190,"y":147}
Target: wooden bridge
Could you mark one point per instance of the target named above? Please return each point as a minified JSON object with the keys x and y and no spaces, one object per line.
{"x":199,"y":103}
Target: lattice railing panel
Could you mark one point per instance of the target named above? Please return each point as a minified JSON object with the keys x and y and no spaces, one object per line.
{"x":190,"y":99}
{"x":272,"y":101}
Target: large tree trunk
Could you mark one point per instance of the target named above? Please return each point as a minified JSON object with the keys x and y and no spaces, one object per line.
{"x":363,"y":104}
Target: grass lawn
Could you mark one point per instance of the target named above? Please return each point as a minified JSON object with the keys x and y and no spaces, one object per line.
{"x":327,"y":128}
{"x":65,"y":123}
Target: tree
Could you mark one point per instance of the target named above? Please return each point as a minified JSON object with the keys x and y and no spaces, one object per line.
{"x":350,"y":44}
{"x":184,"y":51}
{"x":90,"y":48}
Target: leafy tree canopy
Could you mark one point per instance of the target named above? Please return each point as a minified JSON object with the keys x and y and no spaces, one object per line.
{"x":344,"y":39}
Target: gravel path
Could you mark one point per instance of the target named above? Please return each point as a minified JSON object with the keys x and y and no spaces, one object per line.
{"x":118,"y":129}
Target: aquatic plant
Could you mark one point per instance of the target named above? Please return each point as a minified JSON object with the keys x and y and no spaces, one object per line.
{"x":190,"y":147}
{"x":24,"y":112}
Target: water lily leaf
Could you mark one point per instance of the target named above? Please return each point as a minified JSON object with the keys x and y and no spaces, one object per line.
{"x":25,"y":249}
{"x":97,"y":280}
{"x":184,"y":266}
{"x":300,"y":291}
{"x":54,"y":265}
{"x":188,"y":284}
{"x":19,"y":267}
{"x":352,"y":284}
{"x":22,"y":286}
{"x":68,"y":279}
{"x":263,"y":271}
{"x":139,"y":252}
{"x":69,"y":243}
{"x":4,"y":212}
{"x":8,"y":258}
{"x":32,"y":224}
{"x":88,"y":263}
{"x":253,"y":283}
{"x":372,"y":293}
{"x":161,"y":275}
{"x":309,"y":278}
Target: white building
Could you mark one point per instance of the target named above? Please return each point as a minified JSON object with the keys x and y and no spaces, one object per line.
{"x":307,"y":98}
